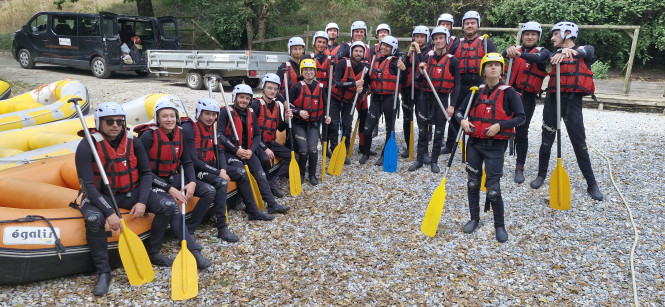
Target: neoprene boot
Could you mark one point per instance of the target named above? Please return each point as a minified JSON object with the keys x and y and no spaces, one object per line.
{"x":501,"y":234}
{"x":416,"y":165}
{"x":102,"y":285}
{"x":202,"y":263}
{"x":312,"y":169}
{"x":159,"y":260}
{"x":274,"y":187}
{"x":277,"y":208}
{"x":538,"y":182}
{"x":226,"y":235}
{"x":594,"y":191}
{"x":435,"y":167}
{"x":260,"y":216}
{"x":519,"y":173}
{"x":363,"y":159}
{"x":471,"y":226}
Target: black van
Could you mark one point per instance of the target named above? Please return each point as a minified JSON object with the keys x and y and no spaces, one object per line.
{"x":91,"y":41}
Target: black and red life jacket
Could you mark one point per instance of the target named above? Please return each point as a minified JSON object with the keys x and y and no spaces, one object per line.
{"x":204,"y":141}
{"x":576,"y":77}
{"x":488,"y":110}
{"x":368,"y":53}
{"x":120,"y":165}
{"x":268,"y":120}
{"x":292,"y":73}
{"x":322,"y":69}
{"x":470,"y":55}
{"x":383,"y":82}
{"x":526,"y":76}
{"x":165,"y":154}
{"x":439,"y":73}
{"x":346,"y":94}
{"x":310,"y":101}
{"x":239,"y":128}
{"x":332,"y":52}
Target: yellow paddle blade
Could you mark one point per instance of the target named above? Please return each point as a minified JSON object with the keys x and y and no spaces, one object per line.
{"x":294,"y":176}
{"x":434,"y":209}
{"x":411,"y":142}
{"x":134,"y":257}
{"x":337,"y":160}
{"x":482,"y":181}
{"x":323,"y":164}
{"x":559,"y":188}
{"x":184,"y":275}
{"x":353,"y":140}
{"x":255,"y":189}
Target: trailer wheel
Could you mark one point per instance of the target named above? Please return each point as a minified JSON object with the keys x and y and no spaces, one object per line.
{"x":215,"y":84}
{"x":194,"y":80}
{"x":253,"y":82}
{"x":234,"y":82}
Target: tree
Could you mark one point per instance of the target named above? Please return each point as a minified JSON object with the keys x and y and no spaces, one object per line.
{"x":143,"y":7}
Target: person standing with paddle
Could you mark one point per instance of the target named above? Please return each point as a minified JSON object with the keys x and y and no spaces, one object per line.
{"x":270,"y":120}
{"x":576,"y":82}
{"x":332,"y":29}
{"x":443,"y":70}
{"x":127,"y":166}
{"x":526,"y":76}
{"x":289,"y":69}
{"x":492,"y":118}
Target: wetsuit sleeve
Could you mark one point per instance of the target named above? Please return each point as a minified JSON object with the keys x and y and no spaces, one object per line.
{"x":294,"y":92}
{"x":147,"y":140}
{"x":256,"y":138}
{"x":145,"y":173}
{"x":587,"y":53}
{"x":512,"y":103}
{"x":222,"y":138}
{"x":186,"y":160}
{"x":490,"y":46}
{"x":84,"y":161}
{"x":453,"y":46}
{"x":342,"y":52}
{"x":540,"y":58}
{"x":454,"y":70}
{"x":339,"y":73}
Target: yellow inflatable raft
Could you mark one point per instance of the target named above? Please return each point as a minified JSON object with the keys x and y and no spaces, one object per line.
{"x":5,"y":90}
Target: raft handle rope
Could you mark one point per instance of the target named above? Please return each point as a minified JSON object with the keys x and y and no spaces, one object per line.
{"x":33,"y":218}
{"x":632,"y":222}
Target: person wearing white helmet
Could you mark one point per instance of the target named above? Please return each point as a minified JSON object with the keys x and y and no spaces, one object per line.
{"x":347,"y":82}
{"x":323,"y":61}
{"x":383,"y":82}
{"x":289,"y":69}
{"x":443,"y":70}
{"x":308,"y":103}
{"x":527,"y":74}
{"x":447,"y":20}
{"x":576,"y":82}
{"x":495,"y":111}
{"x":271,"y":115}
{"x":358,"y":34}
{"x":382,"y":30}
{"x":241,"y":150}
{"x":131,"y":179}
{"x":332,"y":29}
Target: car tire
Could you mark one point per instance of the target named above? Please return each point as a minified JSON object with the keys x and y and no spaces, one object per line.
{"x":25,"y":59}
{"x":215,"y":85}
{"x":99,"y":68}
{"x":194,"y":80}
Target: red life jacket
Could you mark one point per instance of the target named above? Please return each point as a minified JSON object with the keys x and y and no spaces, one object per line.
{"x":239,"y":128}
{"x":332,"y":52}
{"x":470,"y":55}
{"x":268,"y":120}
{"x":322,"y":69}
{"x":368,"y":53}
{"x":120,"y":165}
{"x":292,"y":74}
{"x":576,"y":77}
{"x":165,"y":154}
{"x":312,"y":102}
{"x":526,"y":76}
{"x":439,"y":73}
{"x":204,"y":141}
{"x":383,"y":82}
{"x":488,"y":110}
{"x":346,"y":94}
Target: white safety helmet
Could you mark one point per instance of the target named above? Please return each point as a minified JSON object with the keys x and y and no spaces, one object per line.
{"x":296,"y":41}
{"x":270,"y":77}
{"x":531,"y":26}
{"x":383,"y":26}
{"x":354,"y":45}
{"x":392,"y":42}
{"x":166,"y":105}
{"x":320,"y":34}
{"x":108,"y":109}
{"x":441,"y":30}
{"x":206,"y":104}
{"x":564,"y":26}
{"x":420,"y":30}
{"x":446,"y":17}
{"x":471,"y":15}
{"x":241,"y":89}
{"x":332,"y":25}
{"x":356,"y":25}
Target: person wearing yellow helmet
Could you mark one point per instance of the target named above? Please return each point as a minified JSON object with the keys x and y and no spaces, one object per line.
{"x":494,"y":112}
{"x":308,"y":101}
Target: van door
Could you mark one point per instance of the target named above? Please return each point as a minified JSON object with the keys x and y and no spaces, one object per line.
{"x":110,"y":39}
{"x":89,"y":39}
{"x":169,"y":36}
{"x":63,"y":42}
{"x":38,"y":38}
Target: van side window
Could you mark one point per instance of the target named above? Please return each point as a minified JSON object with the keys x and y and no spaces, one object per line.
{"x":88,"y":26}
{"x":39,"y":23}
{"x":108,"y":27}
{"x":169,"y":30}
{"x":64,"y":25}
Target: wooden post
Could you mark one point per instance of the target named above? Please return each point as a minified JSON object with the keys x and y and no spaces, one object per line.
{"x":631,"y":58}
{"x":306,"y":35}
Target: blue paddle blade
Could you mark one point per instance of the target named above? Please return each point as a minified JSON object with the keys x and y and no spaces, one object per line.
{"x":390,"y":155}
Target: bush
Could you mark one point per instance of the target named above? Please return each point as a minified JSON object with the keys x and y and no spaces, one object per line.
{"x":600,"y":69}
{"x":5,"y":41}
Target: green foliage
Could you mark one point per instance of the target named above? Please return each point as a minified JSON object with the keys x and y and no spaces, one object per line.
{"x":5,"y":41}
{"x":599,"y":70}
{"x":408,"y":13}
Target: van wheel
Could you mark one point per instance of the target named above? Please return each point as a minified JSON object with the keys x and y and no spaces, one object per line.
{"x":215,"y":84}
{"x":25,"y":59}
{"x":99,"y":68}
{"x":194,"y":80}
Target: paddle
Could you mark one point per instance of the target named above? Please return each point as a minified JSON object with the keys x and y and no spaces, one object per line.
{"x":560,"y":182}
{"x":353,"y":109}
{"x":437,"y":201}
{"x":132,"y":252}
{"x":214,"y":135}
{"x":511,"y":141}
{"x":429,"y":81}
{"x":413,"y":104}
{"x":184,"y":275}
{"x":325,"y":130}
{"x":252,"y":181}
{"x":390,"y":151}
{"x":294,"y":169}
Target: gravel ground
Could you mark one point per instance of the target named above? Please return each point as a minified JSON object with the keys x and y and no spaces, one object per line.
{"x":356,"y":240}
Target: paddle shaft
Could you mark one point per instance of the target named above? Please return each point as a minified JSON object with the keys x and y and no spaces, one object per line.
{"x":182,"y":186}
{"x":558,"y":110}
{"x":288,"y":107}
{"x":459,"y":133}
{"x":399,"y":71}
{"x":413,"y":75}
{"x":510,"y":70}
{"x":362,"y":78}
{"x":429,"y":81}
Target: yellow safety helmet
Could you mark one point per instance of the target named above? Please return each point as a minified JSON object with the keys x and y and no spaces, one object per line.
{"x":307,"y":63}
{"x":491,"y":57}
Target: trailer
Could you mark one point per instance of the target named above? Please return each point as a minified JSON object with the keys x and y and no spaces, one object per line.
{"x":233,"y":66}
